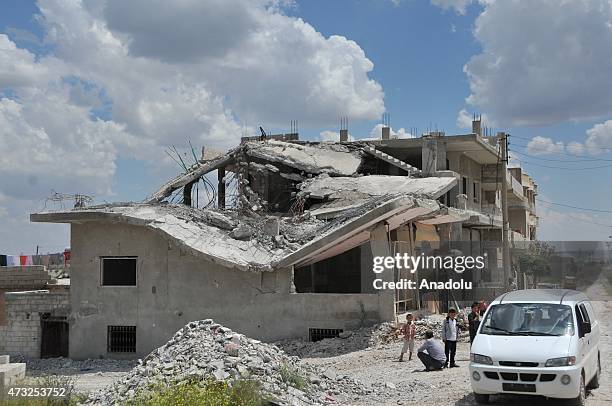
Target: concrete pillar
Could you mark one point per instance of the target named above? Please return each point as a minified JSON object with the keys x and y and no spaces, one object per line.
{"x":429,"y":156}
{"x":379,"y":242}
{"x":476,"y":126}
{"x":343,"y":135}
{"x":221,"y":188}
{"x":386,"y":133}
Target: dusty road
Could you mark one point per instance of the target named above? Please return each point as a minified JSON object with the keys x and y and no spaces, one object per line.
{"x":404,"y":385}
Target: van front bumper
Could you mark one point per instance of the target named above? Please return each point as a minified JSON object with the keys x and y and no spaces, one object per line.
{"x":542,"y":381}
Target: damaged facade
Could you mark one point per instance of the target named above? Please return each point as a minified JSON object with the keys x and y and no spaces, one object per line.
{"x":283,"y":249}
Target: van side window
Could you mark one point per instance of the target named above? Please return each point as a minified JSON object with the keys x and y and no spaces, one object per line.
{"x":579,"y":320}
{"x":585,"y":314}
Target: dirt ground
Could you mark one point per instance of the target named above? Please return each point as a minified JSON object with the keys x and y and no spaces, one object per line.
{"x":379,"y":367}
{"x":392,"y":382}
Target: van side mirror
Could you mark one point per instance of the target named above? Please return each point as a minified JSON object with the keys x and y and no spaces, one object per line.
{"x":586,"y":327}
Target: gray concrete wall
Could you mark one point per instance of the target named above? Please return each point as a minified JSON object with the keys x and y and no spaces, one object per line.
{"x":23,"y":277}
{"x":20,"y":335}
{"x":175,"y":287}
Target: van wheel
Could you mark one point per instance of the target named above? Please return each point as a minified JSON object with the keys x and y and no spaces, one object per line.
{"x":481,"y":399}
{"x":581,"y":399}
{"x":594,"y":384}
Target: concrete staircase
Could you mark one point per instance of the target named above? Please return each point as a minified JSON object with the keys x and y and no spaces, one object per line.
{"x":392,"y":160}
{"x":10,"y":374}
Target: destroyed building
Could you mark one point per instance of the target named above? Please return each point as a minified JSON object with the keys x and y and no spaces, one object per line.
{"x":288,"y":254}
{"x":283,"y":249}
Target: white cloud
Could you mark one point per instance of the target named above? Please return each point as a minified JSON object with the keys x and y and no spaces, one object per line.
{"x":125,"y":80}
{"x":376,"y":132}
{"x":575,"y":148}
{"x":542,"y":61}
{"x":544,"y":145}
{"x":464,"y":120}
{"x":459,"y":6}
{"x":599,"y":138}
{"x":556,"y":225}
{"x":328,"y":135}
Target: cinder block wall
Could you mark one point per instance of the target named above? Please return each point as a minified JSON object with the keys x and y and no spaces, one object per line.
{"x":14,"y":278}
{"x":21,"y":334}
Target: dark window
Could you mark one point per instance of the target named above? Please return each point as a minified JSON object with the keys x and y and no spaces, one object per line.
{"x":119,"y":271}
{"x":121,"y":339}
{"x":464,"y":185}
{"x":316,"y":334}
{"x":338,"y":274}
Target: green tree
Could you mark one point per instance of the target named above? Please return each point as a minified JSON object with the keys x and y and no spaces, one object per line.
{"x":535,"y":260}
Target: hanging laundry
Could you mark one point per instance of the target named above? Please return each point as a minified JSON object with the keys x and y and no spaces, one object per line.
{"x":2,"y":260}
{"x":12,"y":260}
{"x":36,"y":259}
{"x":45,"y":260}
{"x":29,"y":260}
{"x":22,"y":260}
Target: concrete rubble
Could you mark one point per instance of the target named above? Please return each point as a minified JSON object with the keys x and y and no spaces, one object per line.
{"x":204,"y":349}
{"x":366,"y":338}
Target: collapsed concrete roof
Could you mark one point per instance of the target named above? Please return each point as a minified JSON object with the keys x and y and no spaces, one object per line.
{"x":343,"y":206}
{"x":229,"y":239}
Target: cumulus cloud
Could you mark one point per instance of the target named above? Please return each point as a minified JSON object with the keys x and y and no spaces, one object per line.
{"x":530,"y":75}
{"x":328,"y":135}
{"x":544,"y":145}
{"x":575,"y":148}
{"x":376,"y":132}
{"x":464,"y":120}
{"x":128,"y":80}
{"x":599,"y":138}
{"x":459,"y":6}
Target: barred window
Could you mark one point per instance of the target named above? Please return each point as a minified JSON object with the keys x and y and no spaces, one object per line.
{"x":316,"y":334}
{"x":121,"y":338}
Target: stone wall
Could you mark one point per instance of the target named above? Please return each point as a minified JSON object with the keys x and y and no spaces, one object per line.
{"x":20,"y":335}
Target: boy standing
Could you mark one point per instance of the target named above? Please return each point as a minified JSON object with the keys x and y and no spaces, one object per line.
{"x":450,"y":336}
{"x":474,"y":320}
{"x":409,"y":332}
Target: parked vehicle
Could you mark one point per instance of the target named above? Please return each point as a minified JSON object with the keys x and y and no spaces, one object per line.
{"x":537,"y":342}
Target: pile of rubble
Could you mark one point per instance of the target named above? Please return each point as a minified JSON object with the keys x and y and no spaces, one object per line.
{"x":347,"y":341}
{"x":204,"y":349}
{"x":434,"y":323}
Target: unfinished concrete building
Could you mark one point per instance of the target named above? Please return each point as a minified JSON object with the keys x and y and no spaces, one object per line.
{"x":285,"y":250}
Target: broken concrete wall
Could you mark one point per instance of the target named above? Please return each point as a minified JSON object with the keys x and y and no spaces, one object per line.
{"x":174,"y":287}
{"x":21,"y":335}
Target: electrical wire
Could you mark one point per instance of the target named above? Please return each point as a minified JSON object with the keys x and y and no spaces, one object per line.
{"x":574,"y":207}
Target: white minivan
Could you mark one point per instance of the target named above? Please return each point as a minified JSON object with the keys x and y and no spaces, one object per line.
{"x":537,"y":342}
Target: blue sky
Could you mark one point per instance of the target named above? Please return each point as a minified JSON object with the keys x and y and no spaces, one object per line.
{"x":93,"y":93}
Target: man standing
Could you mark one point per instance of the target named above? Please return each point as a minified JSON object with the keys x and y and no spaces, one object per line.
{"x":434,"y":358}
{"x":474,"y":320}
{"x":450,"y":336}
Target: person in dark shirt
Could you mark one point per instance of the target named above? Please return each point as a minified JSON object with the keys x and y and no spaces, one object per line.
{"x":474,"y":320}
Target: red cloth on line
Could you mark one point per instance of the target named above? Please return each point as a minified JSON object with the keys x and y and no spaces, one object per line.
{"x":23,"y":259}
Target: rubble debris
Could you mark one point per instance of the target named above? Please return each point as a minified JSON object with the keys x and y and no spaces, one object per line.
{"x":364,"y":338}
{"x":204,"y":349}
{"x":242,"y":232}
{"x":316,"y":158}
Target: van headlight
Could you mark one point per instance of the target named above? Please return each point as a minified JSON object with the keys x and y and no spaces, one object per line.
{"x":561,"y":362}
{"x":480,"y":359}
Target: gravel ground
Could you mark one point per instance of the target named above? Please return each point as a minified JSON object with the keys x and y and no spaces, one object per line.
{"x":388,"y":381}
{"x":379,"y":367}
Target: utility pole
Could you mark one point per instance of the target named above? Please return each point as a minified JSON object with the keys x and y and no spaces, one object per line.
{"x":505,"y":232}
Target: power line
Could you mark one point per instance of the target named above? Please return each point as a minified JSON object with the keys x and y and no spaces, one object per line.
{"x":559,"y":160}
{"x":564,"y":167}
{"x":574,"y":207}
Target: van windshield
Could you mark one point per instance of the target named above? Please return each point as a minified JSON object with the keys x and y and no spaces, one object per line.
{"x":537,"y":319}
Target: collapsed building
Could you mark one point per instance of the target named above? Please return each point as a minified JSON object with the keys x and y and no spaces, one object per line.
{"x":288,"y":253}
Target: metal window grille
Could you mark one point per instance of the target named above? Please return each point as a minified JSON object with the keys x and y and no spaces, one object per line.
{"x":121,"y":338}
{"x":316,"y":334}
